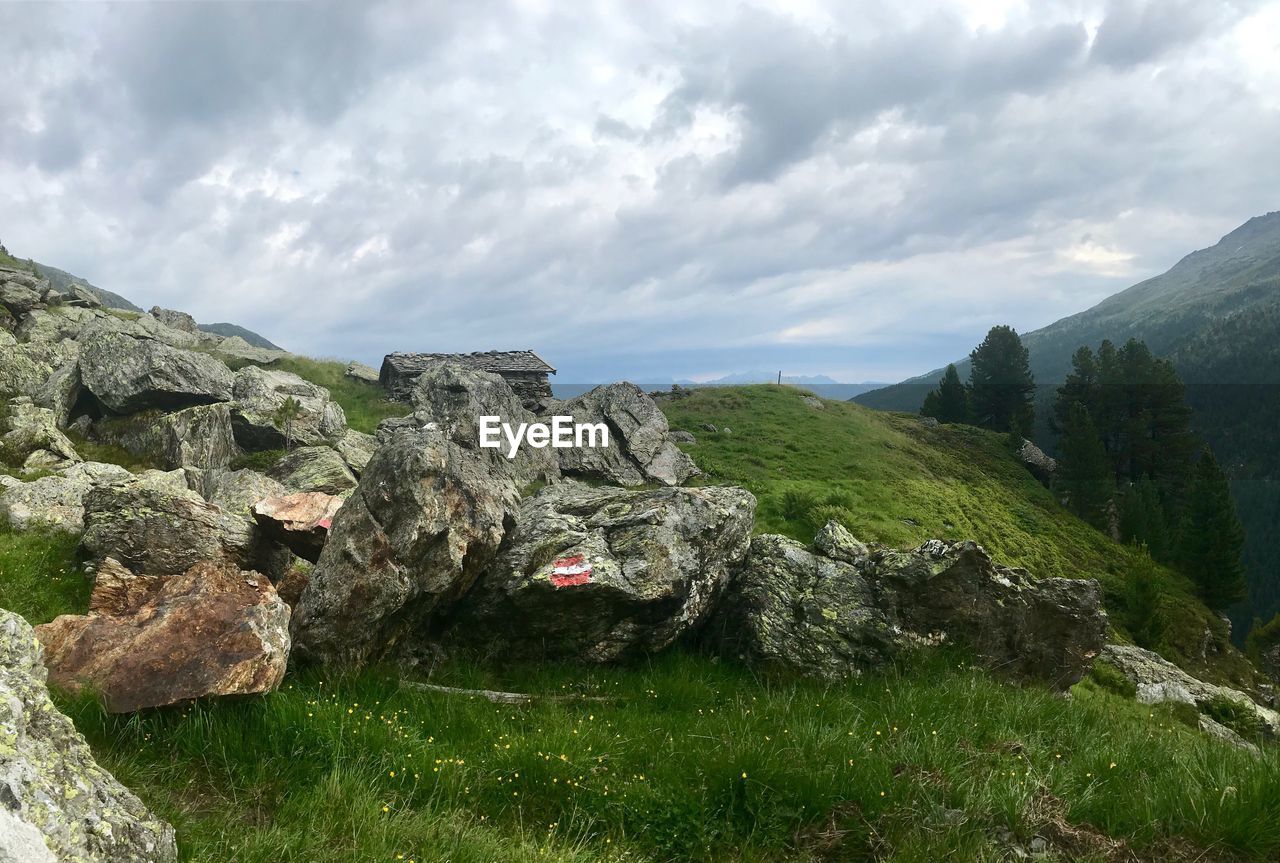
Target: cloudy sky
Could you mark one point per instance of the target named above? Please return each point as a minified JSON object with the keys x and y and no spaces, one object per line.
{"x":635,"y":189}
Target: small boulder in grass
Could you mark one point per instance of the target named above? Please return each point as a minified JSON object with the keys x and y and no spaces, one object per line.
{"x":300,"y":521}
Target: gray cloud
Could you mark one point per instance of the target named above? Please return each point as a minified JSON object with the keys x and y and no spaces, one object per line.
{"x":632,"y":188}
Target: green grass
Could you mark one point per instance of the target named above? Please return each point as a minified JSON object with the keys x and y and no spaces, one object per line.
{"x":109,"y":453}
{"x":892,"y":480}
{"x":365,"y":404}
{"x":693,"y":761}
{"x":39,"y":574}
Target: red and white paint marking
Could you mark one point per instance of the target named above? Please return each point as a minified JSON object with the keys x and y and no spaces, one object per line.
{"x":571,"y":571}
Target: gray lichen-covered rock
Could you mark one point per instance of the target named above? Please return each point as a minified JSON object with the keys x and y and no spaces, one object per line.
{"x":361,"y":372}
{"x":198,"y":436}
{"x":237,"y":491}
{"x":57,"y":501}
{"x":640,"y":447}
{"x":58,"y":804}
{"x":259,"y":393}
{"x":237,"y":348}
{"x":1041,"y":465}
{"x":831,"y":616}
{"x":149,"y":641}
{"x":32,"y":438}
{"x":154,"y":525}
{"x":454,"y":398}
{"x":175,"y":320}
{"x":314,"y":468}
{"x":356,"y":448}
{"x":427,"y":517}
{"x":605,"y":574}
{"x":129,"y":374}
{"x":1158,"y":680}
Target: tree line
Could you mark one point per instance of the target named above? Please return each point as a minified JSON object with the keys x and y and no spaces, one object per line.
{"x":1128,"y":462}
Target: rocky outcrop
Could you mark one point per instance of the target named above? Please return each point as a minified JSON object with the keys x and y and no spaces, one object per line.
{"x":237,"y":491}
{"x":237,"y":348}
{"x":640,"y":447}
{"x":32,"y":438}
{"x":356,"y":448}
{"x":151,"y":641}
{"x":199,"y":437}
{"x":58,"y":804}
{"x":175,"y":320}
{"x":1158,"y":680}
{"x":1042,"y":466}
{"x":313,"y":468}
{"x":604,"y":574}
{"x":258,"y":423}
{"x":300,"y":521}
{"x":833,"y":614}
{"x":426,"y":519}
{"x":361,"y":372}
{"x":128,"y":374}
{"x":55,"y":502}
{"x":453,"y":398}
{"x":154,"y":525}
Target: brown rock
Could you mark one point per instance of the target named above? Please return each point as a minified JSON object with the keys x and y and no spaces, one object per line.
{"x":301,"y":521}
{"x":148,"y":642}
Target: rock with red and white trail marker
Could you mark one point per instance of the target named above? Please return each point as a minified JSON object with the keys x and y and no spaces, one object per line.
{"x":605,"y":574}
{"x":300,"y":521}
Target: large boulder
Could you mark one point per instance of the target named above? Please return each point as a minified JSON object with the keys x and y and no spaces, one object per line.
{"x":175,"y":320}
{"x":128,"y":374}
{"x":1158,"y":680}
{"x":640,"y":446}
{"x":356,"y":448}
{"x":834,"y":614}
{"x":154,"y":525}
{"x":32,"y":438}
{"x":198,"y":436}
{"x":58,"y":804}
{"x":237,"y":491}
{"x":314,"y":468}
{"x":258,"y":423}
{"x":149,"y":641}
{"x":20,"y":299}
{"x":454,"y":398}
{"x":57,"y":501}
{"x":425,"y":520}
{"x":360,"y":372}
{"x":25,"y":368}
{"x":237,"y":348}
{"x":605,"y":574}
{"x":299,"y":521}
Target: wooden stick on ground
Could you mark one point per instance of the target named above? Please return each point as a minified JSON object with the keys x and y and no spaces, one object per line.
{"x":506,"y":697}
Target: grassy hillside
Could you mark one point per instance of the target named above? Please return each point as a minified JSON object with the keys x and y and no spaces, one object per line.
{"x":891,"y":479}
{"x":698,"y":760}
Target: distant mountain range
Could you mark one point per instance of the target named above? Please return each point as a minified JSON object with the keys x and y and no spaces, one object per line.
{"x":1216,"y":315}
{"x":61,"y":279}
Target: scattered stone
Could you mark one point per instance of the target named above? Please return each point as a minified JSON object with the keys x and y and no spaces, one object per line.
{"x":1042,"y":466}
{"x":682,"y":436}
{"x":198,"y":437}
{"x":32,"y":437}
{"x":604,"y":574}
{"x":813,"y":402}
{"x":426,"y":519}
{"x":175,"y":320}
{"x":314,"y":468}
{"x":793,"y":609}
{"x":255,"y":417}
{"x":129,"y":374}
{"x":1213,"y":728}
{"x":237,"y":348}
{"x":640,"y":447}
{"x":356,"y":448}
{"x":57,"y":501}
{"x":361,"y":372}
{"x":150,"y":641}
{"x":930,"y":422}
{"x":153,"y":524}
{"x":709,"y":427}
{"x":300,"y":521}
{"x":1159,"y":680}
{"x":58,"y":804}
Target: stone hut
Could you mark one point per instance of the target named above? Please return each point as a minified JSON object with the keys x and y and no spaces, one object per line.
{"x":525,"y":371}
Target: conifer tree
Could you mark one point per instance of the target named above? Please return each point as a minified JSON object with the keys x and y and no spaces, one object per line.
{"x":1142,"y":602}
{"x":1001,"y":388}
{"x":949,"y":403}
{"x":1084,"y":474}
{"x":1143,"y":520}
{"x":1211,"y":538}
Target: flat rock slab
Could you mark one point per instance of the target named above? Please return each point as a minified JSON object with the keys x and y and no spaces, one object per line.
{"x":149,"y":642}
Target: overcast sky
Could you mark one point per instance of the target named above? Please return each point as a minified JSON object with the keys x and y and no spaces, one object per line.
{"x":641,"y":189}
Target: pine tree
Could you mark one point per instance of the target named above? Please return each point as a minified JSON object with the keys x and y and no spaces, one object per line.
{"x":1143,"y":520}
{"x":1001,"y":386}
{"x":1080,"y":386}
{"x":1084,"y":474}
{"x":949,"y":403}
{"x":1142,"y":602}
{"x":1211,"y":538}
